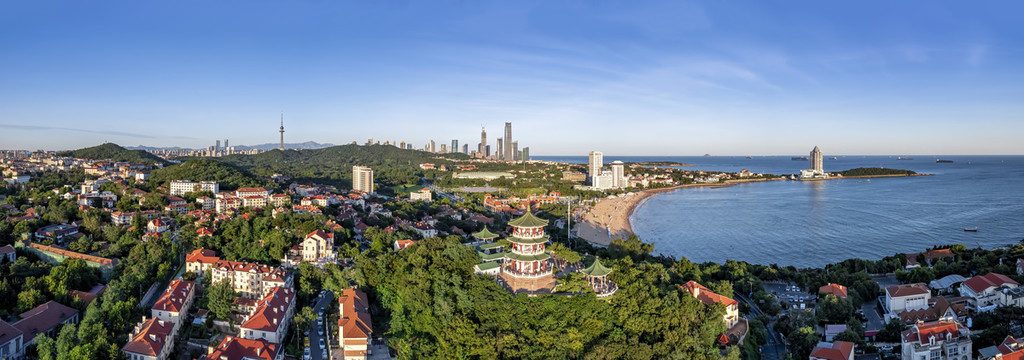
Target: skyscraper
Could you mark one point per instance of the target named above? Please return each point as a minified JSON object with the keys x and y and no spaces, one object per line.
{"x":455,"y":145}
{"x":465,"y":149}
{"x":515,"y":152}
{"x":487,"y":151}
{"x":508,"y":154}
{"x":281,"y":147}
{"x":432,"y":147}
{"x":816,"y":161}
{"x":482,"y":148}
{"x":499,"y":155}
{"x":226,"y":146}
{"x":362,"y":179}
{"x":594,"y":165}
{"x":444,"y":150}
{"x":526,"y":154}
{"x":618,"y":174}
{"x":217,"y":147}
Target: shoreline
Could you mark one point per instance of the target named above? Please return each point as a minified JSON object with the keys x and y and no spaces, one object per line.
{"x":609,"y":219}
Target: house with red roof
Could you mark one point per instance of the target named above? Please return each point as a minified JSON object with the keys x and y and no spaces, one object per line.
{"x":354,"y":324}
{"x":11,"y":340}
{"x":985,"y":290}
{"x":905,"y":297}
{"x":175,"y":302}
{"x":251,"y":280}
{"x":708,"y":297}
{"x":200,"y":260}
{"x":152,"y":339}
{"x":402,"y":244}
{"x":271,"y":318}
{"x":833,"y":289}
{"x":839,"y":350}
{"x":45,"y":319}
{"x":946,"y":337}
{"x":156,"y":226}
{"x":234,"y":348}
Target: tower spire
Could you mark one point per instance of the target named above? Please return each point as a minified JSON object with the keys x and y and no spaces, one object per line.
{"x":281,"y":147}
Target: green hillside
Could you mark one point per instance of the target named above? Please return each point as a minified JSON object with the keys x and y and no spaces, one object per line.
{"x":111,"y":151}
{"x":229,"y":176}
{"x":333,"y":165}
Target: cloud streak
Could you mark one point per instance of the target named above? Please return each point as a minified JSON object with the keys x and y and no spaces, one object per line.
{"x":89,"y":131}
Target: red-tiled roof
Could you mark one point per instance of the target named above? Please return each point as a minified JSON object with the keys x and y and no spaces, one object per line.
{"x":82,"y":296}
{"x":981,"y":282}
{"x":270,"y":311}
{"x":834,"y":289}
{"x":320,"y":234}
{"x":173,"y":299}
{"x":354,"y":321}
{"x":248,"y":190}
{"x":705,"y":295}
{"x":8,"y":332}
{"x":150,"y":338}
{"x":43,"y":318}
{"x":907,"y":290}
{"x":939,"y":329}
{"x":233,"y":348}
{"x":205,"y":256}
{"x":840,"y":350}
{"x":402,"y":244}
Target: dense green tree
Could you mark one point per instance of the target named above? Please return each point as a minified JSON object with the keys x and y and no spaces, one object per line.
{"x":221,"y":295}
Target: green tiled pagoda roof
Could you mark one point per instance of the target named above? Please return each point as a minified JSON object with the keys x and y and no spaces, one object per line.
{"x":596,"y":269}
{"x":490,"y":245}
{"x":484,"y":234}
{"x":484,"y":266}
{"x":528,"y":220}
{"x":540,"y":240}
{"x":490,"y":257}
{"x":517,"y":257}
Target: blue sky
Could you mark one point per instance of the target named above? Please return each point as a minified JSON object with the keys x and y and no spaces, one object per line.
{"x":626,"y":78}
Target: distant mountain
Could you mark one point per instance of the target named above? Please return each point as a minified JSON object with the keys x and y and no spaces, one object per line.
{"x":309,"y":145}
{"x":112,"y":151}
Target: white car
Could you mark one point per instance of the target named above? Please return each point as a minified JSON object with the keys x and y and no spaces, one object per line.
{"x":320,"y":330}
{"x":305,"y":354}
{"x":321,"y":343}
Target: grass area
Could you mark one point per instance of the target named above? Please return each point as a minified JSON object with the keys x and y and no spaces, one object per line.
{"x":405,"y":189}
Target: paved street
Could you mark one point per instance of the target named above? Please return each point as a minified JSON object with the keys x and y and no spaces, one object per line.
{"x":872,"y":312}
{"x":323,"y":303}
{"x":774,"y":348}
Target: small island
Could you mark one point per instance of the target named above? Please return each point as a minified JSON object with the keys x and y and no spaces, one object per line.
{"x":659,"y":163}
{"x":876,"y":172}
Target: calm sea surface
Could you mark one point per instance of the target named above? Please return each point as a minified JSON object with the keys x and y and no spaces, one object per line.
{"x":815,"y":223}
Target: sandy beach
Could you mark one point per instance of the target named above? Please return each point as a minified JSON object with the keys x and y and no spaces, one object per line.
{"x":609,"y":218}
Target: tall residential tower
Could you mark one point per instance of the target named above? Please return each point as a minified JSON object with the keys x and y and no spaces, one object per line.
{"x":816,"y":160}
{"x":362,"y":179}
{"x":508,"y":155}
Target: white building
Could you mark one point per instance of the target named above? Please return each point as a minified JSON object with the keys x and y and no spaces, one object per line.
{"x":318,"y":245}
{"x":945,"y":339}
{"x":595,"y":162}
{"x":618,"y":175}
{"x":152,"y":339}
{"x":175,"y":302}
{"x":12,"y":341}
{"x":354,"y":326}
{"x":180,"y":187}
{"x":900,"y":298}
{"x":269,"y":321}
{"x":362,"y":179}
{"x":986,"y":291}
{"x":422,"y":194}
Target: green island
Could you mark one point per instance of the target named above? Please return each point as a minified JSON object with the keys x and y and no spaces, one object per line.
{"x":425,"y":300}
{"x":877,"y":171}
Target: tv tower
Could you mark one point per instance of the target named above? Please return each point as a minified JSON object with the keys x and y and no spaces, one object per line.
{"x":281,"y":147}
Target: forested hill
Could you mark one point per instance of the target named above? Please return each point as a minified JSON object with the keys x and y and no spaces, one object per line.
{"x":229,"y":176}
{"x":333,"y":165}
{"x":112,"y":151}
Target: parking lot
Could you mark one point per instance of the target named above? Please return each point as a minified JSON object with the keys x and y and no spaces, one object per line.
{"x":790,"y":293}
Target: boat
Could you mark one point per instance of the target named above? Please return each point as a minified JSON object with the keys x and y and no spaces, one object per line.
{"x":904,"y":158}
{"x":748,"y":158}
{"x":975,"y":229}
{"x":800,"y":158}
{"x":835,"y":158}
{"x":707,"y":154}
{"x":943,"y":161}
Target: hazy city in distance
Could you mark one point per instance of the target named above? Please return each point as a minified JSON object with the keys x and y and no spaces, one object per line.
{"x":379,"y":180}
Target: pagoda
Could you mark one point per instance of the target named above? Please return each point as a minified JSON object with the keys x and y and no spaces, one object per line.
{"x":596,"y":275}
{"x":528,"y":267}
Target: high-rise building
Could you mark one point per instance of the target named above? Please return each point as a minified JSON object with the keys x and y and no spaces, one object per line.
{"x":596,"y":161}
{"x":408,"y":146}
{"x":281,"y":146}
{"x":515,"y":152}
{"x":444,"y":149}
{"x":618,"y":174}
{"x":403,"y":145}
{"x":816,"y":161}
{"x":455,"y":146}
{"x":508,"y":154}
{"x":217,"y":147}
{"x":432,"y":148}
{"x":526,"y":154}
{"x":487,"y":151}
{"x":499,"y":155}
{"x":465,"y":149}
{"x":362,"y":179}
{"x":482,"y":148}
{"x":226,"y":144}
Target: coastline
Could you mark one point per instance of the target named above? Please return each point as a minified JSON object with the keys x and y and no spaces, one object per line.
{"x":610,"y":218}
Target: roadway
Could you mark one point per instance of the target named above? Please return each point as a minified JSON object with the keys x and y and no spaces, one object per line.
{"x":323,"y":303}
{"x":774,"y":348}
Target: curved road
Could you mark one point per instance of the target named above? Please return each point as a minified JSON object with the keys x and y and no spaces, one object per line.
{"x":774,"y":348}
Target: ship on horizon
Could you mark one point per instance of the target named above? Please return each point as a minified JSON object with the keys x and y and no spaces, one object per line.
{"x":904,"y":158}
{"x":799,"y":158}
{"x":943,"y":161}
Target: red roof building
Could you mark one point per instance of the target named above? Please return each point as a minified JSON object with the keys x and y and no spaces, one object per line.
{"x":45,"y":319}
{"x":709,"y":297}
{"x":947,"y":335}
{"x":833,"y":289}
{"x":175,"y":301}
{"x":354,"y":323}
{"x":233,"y":348}
{"x":153,"y":338}
{"x":270,"y":319}
{"x":984,"y":290}
{"x":200,"y":260}
{"x":839,"y":350}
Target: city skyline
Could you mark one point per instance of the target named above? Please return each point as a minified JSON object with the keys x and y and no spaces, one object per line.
{"x":631,"y":79}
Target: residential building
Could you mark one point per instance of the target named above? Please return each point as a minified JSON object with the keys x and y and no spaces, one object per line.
{"x":207,"y":203}
{"x":156,"y":226}
{"x":900,"y":298}
{"x":708,"y":297}
{"x":7,"y":253}
{"x":234,"y":348}
{"x":355,"y":328}
{"x":594,"y":164}
{"x":11,"y":342}
{"x":945,"y":339}
{"x":618,"y":175}
{"x":45,"y":319}
{"x":500,"y":154}
{"x":362,"y":179}
{"x":985,"y":291}
{"x":257,"y":191}
{"x":816,"y":161}
{"x":254,"y":201}
{"x":174,"y":302}
{"x":152,"y":339}
{"x":318,"y":245}
{"x":421,"y":194}
{"x":251,"y":280}
{"x":938,"y":308}
{"x":838,"y":350}
{"x":225,"y":204}
{"x":181,"y":187}
{"x":271,"y":318}
{"x":200,"y":260}
{"x":833,"y":289}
